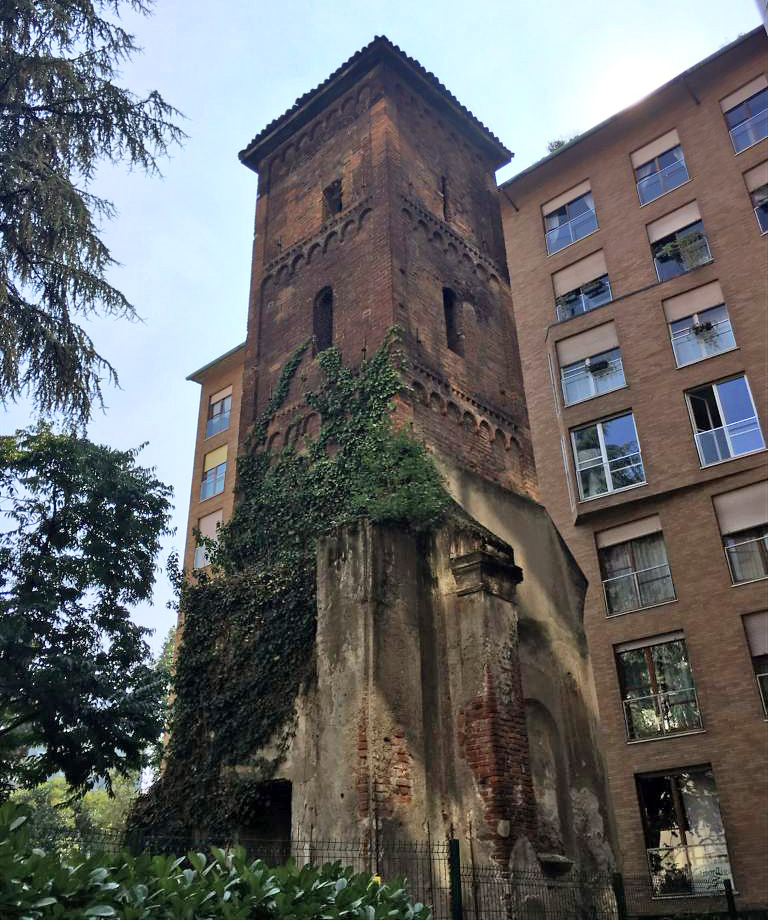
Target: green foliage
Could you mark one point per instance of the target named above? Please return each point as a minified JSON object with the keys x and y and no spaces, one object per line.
{"x":56,"y":815}
{"x":220,"y":885}
{"x":249,"y":627}
{"x":61,"y":114}
{"x":78,"y":549}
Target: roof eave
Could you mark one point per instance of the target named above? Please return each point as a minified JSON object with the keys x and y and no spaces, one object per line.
{"x":380,"y":49}
{"x":199,"y":375}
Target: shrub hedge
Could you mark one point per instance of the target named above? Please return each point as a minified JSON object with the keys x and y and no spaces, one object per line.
{"x":219,"y":885}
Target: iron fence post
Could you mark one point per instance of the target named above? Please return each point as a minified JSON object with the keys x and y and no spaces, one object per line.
{"x":454,"y":872}
{"x":617,"y":882}
{"x":731,"y":901}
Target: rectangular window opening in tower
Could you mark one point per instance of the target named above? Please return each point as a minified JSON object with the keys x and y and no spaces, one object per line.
{"x":453,"y":331}
{"x":332,"y":200}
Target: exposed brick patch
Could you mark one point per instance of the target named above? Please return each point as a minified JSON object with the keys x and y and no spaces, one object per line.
{"x":384,"y":777}
{"x":493,"y":740}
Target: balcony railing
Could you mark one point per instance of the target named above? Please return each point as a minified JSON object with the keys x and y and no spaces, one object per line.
{"x":682,"y":255}
{"x":582,"y":302}
{"x":213,"y":485}
{"x":659,"y":183}
{"x":571,"y":231}
{"x":732,"y":440}
{"x":665,"y":713}
{"x":636,"y":590}
{"x":694,"y":344}
{"x":583,"y":382}
{"x":217,"y":423}
{"x":749,"y":132}
{"x":689,"y":870}
{"x":748,"y":559}
{"x":761,"y":213}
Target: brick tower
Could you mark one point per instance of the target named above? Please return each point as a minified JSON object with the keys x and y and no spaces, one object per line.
{"x":378,"y":207}
{"x":451,"y":699}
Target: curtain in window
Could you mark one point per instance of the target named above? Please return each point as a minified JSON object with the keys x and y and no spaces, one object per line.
{"x":654,"y":580}
{"x":748,"y":553}
{"x":621,"y":592}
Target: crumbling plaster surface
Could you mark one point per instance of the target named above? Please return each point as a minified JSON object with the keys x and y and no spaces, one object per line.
{"x":416,"y":726}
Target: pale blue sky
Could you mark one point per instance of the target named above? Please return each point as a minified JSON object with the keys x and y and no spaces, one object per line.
{"x":531,"y":71}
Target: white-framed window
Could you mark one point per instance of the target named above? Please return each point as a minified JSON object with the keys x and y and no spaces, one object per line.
{"x":756,"y":628}
{"x":724,"y":420}
{"x":661,"y":174}
{"x":567,"y":220}
{"x":657,"y":688}
{"x":208,"y":527}
{"x":607,"y":456}
{"x":219,"y":409}
{"x":634,"y":566}
{"x":742,"y":516}
{"x":214,"y":472}
{"x":748,"y":121}
{"x":701,"y":335}
{"x":592,"y":376}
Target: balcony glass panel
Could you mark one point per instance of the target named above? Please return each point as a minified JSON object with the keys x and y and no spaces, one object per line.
{"x":748,"y":121}
{"x":662,"y":714}
{"x":599,"y":374}
{"x":660,"y":176}
{"x":681,"y":252}
{"x":636,"y":574}
{"x":635,"y":590}
{"x":213,"y":481}
{"x":702,"y":335}
{"x":747,"y":552}
{"x":760,"y":204}
{"x":570,"y":223}
{"x":582,"y":300}
{"x":750,"y":131}
{"x":698,"y":869}
{"x":724,"y":419}
{"x":216,"y":424}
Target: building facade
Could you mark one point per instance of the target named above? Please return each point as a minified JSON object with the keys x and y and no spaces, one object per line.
{"x":630,"y":279}
{"x":214,"y":467}
{"x":638,"y":267}
{"x":451,"y":697}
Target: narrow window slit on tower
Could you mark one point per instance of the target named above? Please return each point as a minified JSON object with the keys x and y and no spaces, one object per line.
{"x":332,"y":202}
{"x":453,"y":330}
{"x":322,"y":320}
{"x":444,"y":196}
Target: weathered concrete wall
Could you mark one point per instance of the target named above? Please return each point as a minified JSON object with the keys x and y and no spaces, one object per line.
{"x":558,"y":687}
{"x":442,"y":706}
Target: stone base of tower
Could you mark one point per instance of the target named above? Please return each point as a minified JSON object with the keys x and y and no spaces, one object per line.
{"x":451,"y":698}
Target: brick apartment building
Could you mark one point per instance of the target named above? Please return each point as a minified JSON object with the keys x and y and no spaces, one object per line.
{"x":637,"y":264}
{"x":638,"y":268}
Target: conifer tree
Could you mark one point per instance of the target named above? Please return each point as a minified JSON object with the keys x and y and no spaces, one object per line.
{"x":61,"y":114}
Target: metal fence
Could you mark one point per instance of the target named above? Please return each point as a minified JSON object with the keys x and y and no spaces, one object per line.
{"x":452,"y":888}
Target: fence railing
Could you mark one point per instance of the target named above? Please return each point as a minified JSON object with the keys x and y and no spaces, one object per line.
{"x":662,"y":181}
{"x":749,"y":132}
{"x":445,"y":876}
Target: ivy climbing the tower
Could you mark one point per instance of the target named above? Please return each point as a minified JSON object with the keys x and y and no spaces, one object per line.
{"x":249,"y":624}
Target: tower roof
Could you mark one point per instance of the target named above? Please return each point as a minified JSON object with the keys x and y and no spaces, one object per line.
{"x":380,"y":49}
